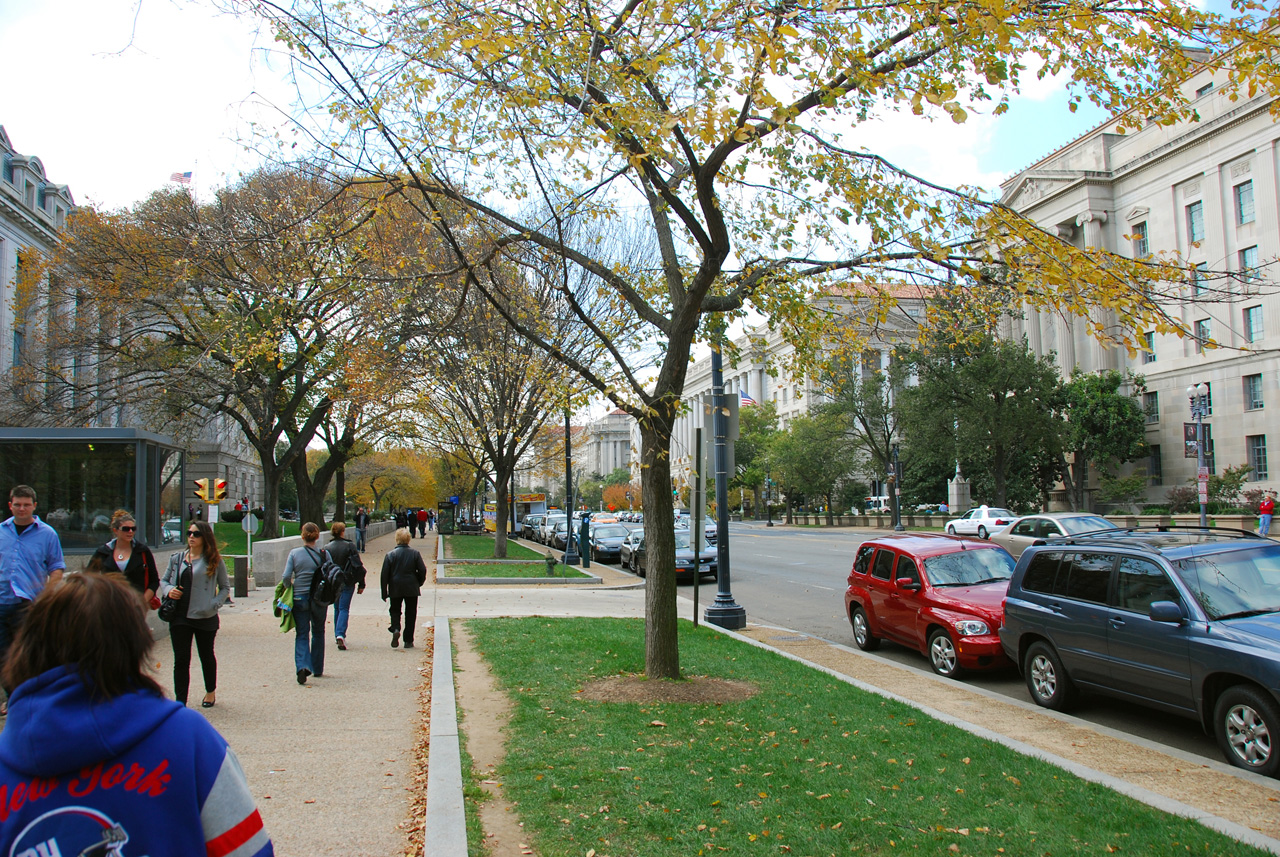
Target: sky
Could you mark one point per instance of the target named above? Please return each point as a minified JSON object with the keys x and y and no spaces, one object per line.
{"x":114,"y":96}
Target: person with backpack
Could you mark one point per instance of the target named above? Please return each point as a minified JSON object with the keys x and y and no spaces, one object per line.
{"x":302,"y":570}
{"x":403,"y":573}
{"x":345,"y":555}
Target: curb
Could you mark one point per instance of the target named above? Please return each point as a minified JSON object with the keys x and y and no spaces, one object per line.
{"x":446,"y":820}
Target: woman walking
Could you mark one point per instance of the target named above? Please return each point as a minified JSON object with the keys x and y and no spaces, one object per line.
{"x":300,"y":572}
{"x":403,"y":574}
{"x":131,"y":558}
{"x":347,"y":557}
{"x":197,"y":579}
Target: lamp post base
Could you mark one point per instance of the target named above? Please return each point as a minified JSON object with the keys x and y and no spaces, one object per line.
{"x":726,"y":614}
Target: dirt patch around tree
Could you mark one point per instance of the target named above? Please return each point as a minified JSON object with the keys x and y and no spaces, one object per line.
{"x":694,"y":690}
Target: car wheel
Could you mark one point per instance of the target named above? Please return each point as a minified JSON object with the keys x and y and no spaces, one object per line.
{"x":942,"y":654}
{"x":951,"y":530}
{"x":1246,"y":723}
{"x":1046,"y":679}
{"x":982,"y":532}
{"x":862,"y":635}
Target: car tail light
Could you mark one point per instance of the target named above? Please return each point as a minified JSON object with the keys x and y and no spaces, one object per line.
{"x":1001,"y":521}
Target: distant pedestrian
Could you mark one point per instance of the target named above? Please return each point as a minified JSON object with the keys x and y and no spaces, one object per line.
{"x":402,"y":519}
{"x":346,"y":556}
{"x":300,"y":570}
{"x":130,"y":557}
{"x":30,"y":559}
{"x":431,"y":519}
{"x":197,"y":579}
{"x":422,"y":523}
{"x":1265,"y":510}
{"x":130,"y":767}
{"x":403,"y":573}
{"x":362,"y":529}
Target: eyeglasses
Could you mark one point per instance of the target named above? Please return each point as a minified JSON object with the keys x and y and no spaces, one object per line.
{"x":128,"y":529}
{"x":194,"y":534}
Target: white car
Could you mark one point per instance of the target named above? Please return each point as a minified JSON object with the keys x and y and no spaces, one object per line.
{"x":980,"y":522}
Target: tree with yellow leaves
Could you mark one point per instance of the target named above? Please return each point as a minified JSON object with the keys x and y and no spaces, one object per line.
{"x":691,"y":159}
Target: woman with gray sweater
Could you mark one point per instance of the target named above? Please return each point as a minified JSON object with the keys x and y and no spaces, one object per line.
{"x":308,"y":617}
{"x":197,"y":579}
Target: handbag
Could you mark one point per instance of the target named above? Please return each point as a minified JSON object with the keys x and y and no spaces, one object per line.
{"x":169,"y":609}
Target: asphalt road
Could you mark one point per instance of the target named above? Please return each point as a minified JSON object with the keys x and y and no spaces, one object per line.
{"x":795,"y":578}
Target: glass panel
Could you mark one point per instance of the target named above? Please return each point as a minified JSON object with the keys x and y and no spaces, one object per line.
{"x":78,"y":486}
{"x":1141,"y":583}
{"x":1090,"y":576}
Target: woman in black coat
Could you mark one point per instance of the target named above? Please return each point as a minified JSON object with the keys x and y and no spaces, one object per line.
{"x":131,"y":558}
{"x":403,"y":573}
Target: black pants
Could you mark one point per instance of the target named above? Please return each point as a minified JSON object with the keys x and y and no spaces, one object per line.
{"x":410,"y":616}
{"x":180,"y":635}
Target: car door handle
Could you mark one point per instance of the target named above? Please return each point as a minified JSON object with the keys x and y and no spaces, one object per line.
{"x":1117,"y":622}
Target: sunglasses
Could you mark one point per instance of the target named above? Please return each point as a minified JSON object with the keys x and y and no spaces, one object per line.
{"x":128,"y":529}
{"x":195,"y":533}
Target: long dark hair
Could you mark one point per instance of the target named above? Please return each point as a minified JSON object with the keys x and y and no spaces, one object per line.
{"x":211,"y":555}
{"x":93,"y":622}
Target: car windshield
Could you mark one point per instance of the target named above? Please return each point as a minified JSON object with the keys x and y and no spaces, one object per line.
{"x":1235,"y":583}
{"x":998,"y":513}
{"x":611,"y":531}
{"x":969,"y":567}
{"x":1085,"y":524}
{"x":682,"y":539}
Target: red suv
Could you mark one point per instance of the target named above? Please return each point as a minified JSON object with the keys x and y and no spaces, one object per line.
{"x":938,"y":594}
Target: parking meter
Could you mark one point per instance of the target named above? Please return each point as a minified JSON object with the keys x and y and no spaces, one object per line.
{"x":584,"y":541}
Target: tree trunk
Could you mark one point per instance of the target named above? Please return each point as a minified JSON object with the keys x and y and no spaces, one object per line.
{"x":831,"y":521}
{"x":340,"y":492}
{"x":755,"y":503}
{"x":661,"y":641}
{"x":502,"y":486}
{"x":271,"y":476}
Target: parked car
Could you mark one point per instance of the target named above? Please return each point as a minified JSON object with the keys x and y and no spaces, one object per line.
{"x":529,"y":526}
{"x":171,"y":532}
{"x":1023,"y":532}
{"x":628,"y":546}
{"x":980,"y":522}
{"x":548,"y":524}
{"x":937,"y":594}
{"x":559,"y":537}
{"x":606,"y":541}
{"x":685,"y":570}
{"x":1185,"y":620}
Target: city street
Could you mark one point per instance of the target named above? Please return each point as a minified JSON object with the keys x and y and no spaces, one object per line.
{"x":795,"y":578}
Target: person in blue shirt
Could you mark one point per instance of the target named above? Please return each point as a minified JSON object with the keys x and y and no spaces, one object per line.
{"x":30,"y":558}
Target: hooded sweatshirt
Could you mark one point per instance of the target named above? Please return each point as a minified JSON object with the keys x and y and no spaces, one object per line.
{"x":134,"y":775}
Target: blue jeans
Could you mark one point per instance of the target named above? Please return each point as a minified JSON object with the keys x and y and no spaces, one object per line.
{"x":11,"y":616}
{"x":342,"y":611}
{"x":1264,"y":524}
{"x":360,"y":538}
{"x":308,"y":645}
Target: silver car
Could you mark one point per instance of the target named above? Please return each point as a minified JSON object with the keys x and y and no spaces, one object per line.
{"x":1035,"y":529}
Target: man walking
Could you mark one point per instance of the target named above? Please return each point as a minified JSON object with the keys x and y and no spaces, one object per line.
{"x":30,"y":558}
{"x":362,"y":527}
{"x":422,"y":523}
{"x":1266,"y":509}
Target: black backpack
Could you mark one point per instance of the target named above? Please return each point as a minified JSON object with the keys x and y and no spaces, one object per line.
{"x":351,"y":574}
{"x":327,"y":581}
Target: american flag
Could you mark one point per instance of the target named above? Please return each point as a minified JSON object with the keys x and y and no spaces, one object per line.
{"x":744,"y":399}
{"x":181,"y":178}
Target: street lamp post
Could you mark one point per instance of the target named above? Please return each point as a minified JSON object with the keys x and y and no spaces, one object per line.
{"x":1198,"y":397}
{"x":897,"y":492}
{"x":768,"y":488}
{"x":570,"y":549}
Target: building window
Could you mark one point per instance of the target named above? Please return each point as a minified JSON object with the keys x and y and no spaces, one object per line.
{"x":1252,"y":323}
{"x":1141,"y":246}
{"x":19,"y":338}
{"x":8,"y":168}
{"x":1208,"y":399}
{"x":1195,"y":222}
{"x":40,"y":197}
{"x":1202,"y":334}
{"x":1256,"y":444}
{"x":1249,"y":262}
{"x":1151,"y":404}
{"x":1204,"y":90}
{"x":1244,"y":203}
{"x":1155,"y":470}
{"x":1253,"y":392}
{"x":1149,"y":347}
{"x":1198,"y":279}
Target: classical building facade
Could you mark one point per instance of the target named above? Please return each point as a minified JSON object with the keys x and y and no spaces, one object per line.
{"x":1206,"y":192}
{"x":606,"y":444}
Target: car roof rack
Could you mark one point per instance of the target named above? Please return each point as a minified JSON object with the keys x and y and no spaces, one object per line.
{"x":1206,"y":533}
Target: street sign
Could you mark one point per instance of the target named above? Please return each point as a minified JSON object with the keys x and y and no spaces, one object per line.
{"x":1202,"y":474}
{"x":1189,"y":440}
{"x":249,"y":523}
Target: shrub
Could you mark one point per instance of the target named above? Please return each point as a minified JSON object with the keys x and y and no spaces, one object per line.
{"x":1181,"y":499}
{"x":1155,"y":510}
{"x":1252,"y":498}
{"x":234,"y":516}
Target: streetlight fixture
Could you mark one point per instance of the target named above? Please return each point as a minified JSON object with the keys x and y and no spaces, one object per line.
{"x":768,"y":489}
{"x":1198,"y":397}
{"x":897,"y":492}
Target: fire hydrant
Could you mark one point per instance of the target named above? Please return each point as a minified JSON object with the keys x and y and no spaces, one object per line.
{"x":551,"y":565}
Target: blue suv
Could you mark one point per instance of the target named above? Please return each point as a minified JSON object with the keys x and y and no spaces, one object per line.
{"x":1184,"y":620}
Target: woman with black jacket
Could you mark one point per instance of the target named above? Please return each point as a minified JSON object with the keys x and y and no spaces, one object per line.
{"x":131,"y":558}
{"x":403,"y":573}
{"x":345,"y":555}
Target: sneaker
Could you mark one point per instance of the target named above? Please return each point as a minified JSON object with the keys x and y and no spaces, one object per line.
{"x":395,"y":639}
{"x":342,"y":644}
{"x":408,"y":644}
{"x":302,"y":675}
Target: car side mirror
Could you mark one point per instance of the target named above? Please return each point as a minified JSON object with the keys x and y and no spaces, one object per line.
{"x":1039,"y":542}
{"x":908,"y":583}
{"x":1166,"y":611}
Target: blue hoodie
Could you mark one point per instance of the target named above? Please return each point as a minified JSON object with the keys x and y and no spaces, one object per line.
{"x":134,"y":775}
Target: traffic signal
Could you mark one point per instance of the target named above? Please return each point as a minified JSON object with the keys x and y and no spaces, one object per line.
{"x":202,"y":489}
{"x":219,"y":490}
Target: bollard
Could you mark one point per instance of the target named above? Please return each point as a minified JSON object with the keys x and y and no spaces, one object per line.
{"x":551,"y":565}
{"x":242,"y":577}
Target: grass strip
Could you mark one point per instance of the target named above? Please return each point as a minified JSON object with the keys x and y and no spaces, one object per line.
{"x":234,"y":541}
{"x":481,"y":547}
{"x":808,"y":766}
{"x":508,"y":569}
